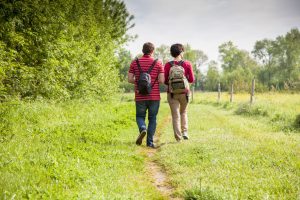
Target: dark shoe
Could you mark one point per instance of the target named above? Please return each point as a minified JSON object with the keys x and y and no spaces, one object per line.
{"x":140,"y":138}
{"x":178,"y":139}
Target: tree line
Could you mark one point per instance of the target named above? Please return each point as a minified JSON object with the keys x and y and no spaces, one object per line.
{"x":67,"y":49}
{"x":275,"y":64}
{"x":61,"y":49}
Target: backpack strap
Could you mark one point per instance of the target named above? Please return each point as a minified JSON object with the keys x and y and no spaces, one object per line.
{"x":138,"y":64}
{"x":181,"y":62}
{"x":152,"y":66}
{"x":154,"y":82}
{"x":150,"y":69}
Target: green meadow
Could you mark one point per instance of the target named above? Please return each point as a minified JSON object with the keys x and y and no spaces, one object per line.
{"x":73,"y":150}
{"x":237,"y":151}
{"x":86,"y":150}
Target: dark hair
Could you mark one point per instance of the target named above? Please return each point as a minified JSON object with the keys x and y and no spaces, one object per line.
{"x":176,"y":49}
{"x":148,"y":48}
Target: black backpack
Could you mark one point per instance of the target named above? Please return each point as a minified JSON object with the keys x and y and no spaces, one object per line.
{"x":144,"y":82}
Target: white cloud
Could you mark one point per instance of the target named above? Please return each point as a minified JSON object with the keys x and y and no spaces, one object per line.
{"x":205,"y":24}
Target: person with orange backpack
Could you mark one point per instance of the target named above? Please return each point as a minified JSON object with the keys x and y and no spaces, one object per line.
{"x":146,"y":73}
{"x":178,"y":75}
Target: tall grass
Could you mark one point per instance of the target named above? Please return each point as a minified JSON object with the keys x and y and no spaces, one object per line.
{"x":231,"y":156}
{"x":71,"y":150}
{"x":281,"y":109}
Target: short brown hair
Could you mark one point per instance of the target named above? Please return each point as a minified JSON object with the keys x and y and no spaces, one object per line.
{"x":148,"y":48}
{"x":176,"y":49}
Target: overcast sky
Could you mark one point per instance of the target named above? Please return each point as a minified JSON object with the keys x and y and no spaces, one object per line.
{"x":205,"y":24}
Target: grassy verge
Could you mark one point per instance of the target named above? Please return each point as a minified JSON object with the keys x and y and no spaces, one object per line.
{"x":72,"y":150}
{"x":232,"y":157}
{"x":281,"y":109}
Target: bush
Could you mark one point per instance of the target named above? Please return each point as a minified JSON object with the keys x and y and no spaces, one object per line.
{"x":201,"y":194}
{"x":126,"y":87}
{"x":251,"y":110}
{"x":297,"y":122}
{"x":65,"y":50}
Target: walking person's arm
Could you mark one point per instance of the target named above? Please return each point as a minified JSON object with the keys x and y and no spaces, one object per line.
{"x":167,"y":69}
{"x":131,"y":78}
{"x":161,"y":74}
{"x":190,"y":76}
{"x":161,"y":78}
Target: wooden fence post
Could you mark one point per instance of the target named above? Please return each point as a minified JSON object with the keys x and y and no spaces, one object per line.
{"x":231,"y":93}
{"x":252,"y":91}
{"x":219,"y":92}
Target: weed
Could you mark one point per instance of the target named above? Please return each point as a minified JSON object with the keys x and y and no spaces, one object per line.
{"x":251,"y":110}
{"x":201,"y":194}
{"x":297,"y":122}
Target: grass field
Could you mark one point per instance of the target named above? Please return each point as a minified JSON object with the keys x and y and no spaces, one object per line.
{"x":86,"y":150}
{"x":232,"y":156}
{"x":74,"y":150}
{"x":282,"y":109}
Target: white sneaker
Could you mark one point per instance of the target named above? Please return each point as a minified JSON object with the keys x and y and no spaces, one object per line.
{"x":185,"y":136}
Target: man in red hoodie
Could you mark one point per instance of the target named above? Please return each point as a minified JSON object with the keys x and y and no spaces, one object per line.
{"x":149,"y":101}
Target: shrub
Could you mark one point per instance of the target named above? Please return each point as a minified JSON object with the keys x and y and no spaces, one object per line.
{"x":251,"y":110}
{"x":201,"y":194}
{"x":297,"y":122}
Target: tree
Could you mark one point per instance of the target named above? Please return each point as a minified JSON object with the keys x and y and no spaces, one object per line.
{"x":280,"y":60}
{"x":291,"y":60}
{"x":124,"y":61}
{"x":163,"y":53}
{"x":238,"y":67}
{"x":264,"y":51}
{"x":62,"y":49}
{"x":212,"y":77}
{"x":197,"y":59}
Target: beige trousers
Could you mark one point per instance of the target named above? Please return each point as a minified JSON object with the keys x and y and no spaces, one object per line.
{"x":178,"y":105}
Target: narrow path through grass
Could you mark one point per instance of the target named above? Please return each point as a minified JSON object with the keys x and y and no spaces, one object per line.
{"x":157,"y":172}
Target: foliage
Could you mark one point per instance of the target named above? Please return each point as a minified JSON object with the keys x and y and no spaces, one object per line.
{"x":61,"y":49}
{"x":201,"y":194}
{"x":163,"y":53}
{"x":197,"y":59}
{"x":276,"y":65}
{"x":212,"y":77}
{"x":123,"y":64}
{"x":297,"y":122}
{"x":238,"y":67}
{"x":280,"y":61}
{"x":247,"y":109}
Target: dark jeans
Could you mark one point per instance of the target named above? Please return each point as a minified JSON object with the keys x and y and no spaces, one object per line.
{"x":141,"y":110}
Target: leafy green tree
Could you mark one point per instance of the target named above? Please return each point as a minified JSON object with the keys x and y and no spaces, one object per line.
{"x":163,"y":53}
{"x":288,"y":54}
{"x":212,"y":77}
{"x":264,"y":51}
{"x":197,"y":59}
{"x":238,"y":67}
{"x":279,"y":60}
{"x":64,"y":48}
